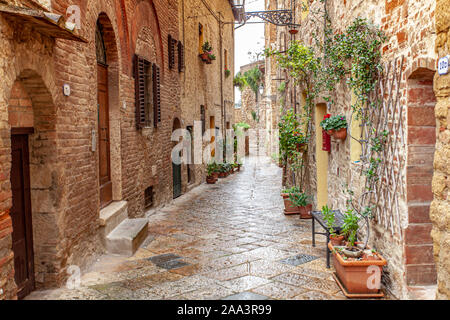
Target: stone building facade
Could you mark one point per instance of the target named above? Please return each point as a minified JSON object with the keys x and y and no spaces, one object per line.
{"x":407,"y":243}
{"x":253,"y":110}
{"x":69,"y":97}
{"x":207,"y":92}
{"x":440,"y":207}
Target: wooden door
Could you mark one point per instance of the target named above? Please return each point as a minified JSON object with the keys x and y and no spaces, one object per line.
{"x":176,"y":173}
{"x":103,"y":137}
{"x":22,"y":235}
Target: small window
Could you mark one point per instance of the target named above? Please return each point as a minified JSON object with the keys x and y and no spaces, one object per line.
{"x":147,"y":95}
{"x":225,"y":54}
{"x":148,"y":197}
{"x":203,"y":118}
{"x":200,"y":37}
{"x":171,"y":54}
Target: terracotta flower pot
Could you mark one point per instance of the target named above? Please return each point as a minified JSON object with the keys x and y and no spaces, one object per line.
{"x":210,"y":179}
{"x":305,"y":212}
{"x":288,"y":207}
{"x":356,"y":276}
{"x":340,"y":134}
{"x":205,"y":58}
{"x":336,"y":240}
{"x":215,"y":175}
{"x":222,"y":174}
{"x":293,"y":31}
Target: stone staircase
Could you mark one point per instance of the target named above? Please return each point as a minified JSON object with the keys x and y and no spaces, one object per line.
{"x":120,"y":234}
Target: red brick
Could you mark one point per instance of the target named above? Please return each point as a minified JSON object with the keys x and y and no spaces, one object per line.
{"x":419,"y":193}
{"x":421,"y":275}
{"x":419,"y":254}
{"x":422,"y":135}
{"x":418,"y":234}
{"x":419,"y":214}
{"x":421,"y":116}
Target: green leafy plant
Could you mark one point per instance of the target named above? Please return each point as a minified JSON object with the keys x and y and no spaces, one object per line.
{"x":329,"y":218}
{"x":206,"y":47}
{"x":227,"y":73}
{"x":282,"y":87}
{"x":240,"y":81}
{"x":211,"y":56}
{"x":293,"y":190}
{"x":350,"y":226}
{"x":334,"y":123}
{"x":211,"y":168}
{"x":299,"y":199}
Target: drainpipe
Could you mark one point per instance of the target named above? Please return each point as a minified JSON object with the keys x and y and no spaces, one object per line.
{"x":221,"y":76}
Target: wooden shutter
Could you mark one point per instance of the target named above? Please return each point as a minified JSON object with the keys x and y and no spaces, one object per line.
{"x":180,"y":57}
{"x":171,"y":46}
{"x":156,"y":95}
{"x":139,"y":77}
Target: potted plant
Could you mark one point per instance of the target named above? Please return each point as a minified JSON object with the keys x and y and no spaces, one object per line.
{"x":302,"y":201}
{"x":227,"y":73}
{"x":211,"y":169}
{"x":336,"y":126}
{"x":206,"y":52}
{"x":329,"y":218}
{"x":289,"y":207}
{"x":358,"y":267}
{"x":221,"y":170}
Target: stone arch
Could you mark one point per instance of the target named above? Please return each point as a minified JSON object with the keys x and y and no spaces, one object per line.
{"x":30,"y":104}
{"x":113,"y":71}
{"x":418,"y":247}
{"x":145,"y":16}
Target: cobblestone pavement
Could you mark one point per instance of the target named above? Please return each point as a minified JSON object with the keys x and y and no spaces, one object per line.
{"x":230,"y":240}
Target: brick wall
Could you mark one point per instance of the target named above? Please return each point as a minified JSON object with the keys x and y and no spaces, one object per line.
{"x":64,"y":174}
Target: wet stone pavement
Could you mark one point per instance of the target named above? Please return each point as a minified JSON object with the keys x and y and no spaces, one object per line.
{"x":230,"y":240}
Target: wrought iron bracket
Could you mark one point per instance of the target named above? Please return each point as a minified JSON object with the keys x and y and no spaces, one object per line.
{"x":276,"y":17}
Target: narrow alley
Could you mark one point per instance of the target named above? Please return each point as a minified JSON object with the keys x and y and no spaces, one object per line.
{"x":225,"y":241}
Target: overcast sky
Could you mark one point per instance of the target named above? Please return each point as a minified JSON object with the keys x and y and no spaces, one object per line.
{"x":250,"y":37}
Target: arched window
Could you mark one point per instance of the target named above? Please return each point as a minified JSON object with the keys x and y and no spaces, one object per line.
{"x":100,"y":48}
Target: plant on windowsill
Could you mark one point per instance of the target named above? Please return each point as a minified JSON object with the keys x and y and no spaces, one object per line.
{"x":336,"y":126}
{"x":227,"y":73}
{"x":329,"y":218}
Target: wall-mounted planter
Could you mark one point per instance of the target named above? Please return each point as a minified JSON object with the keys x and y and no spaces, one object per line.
{"x":340,"y":134}
{"x":205,"y":58}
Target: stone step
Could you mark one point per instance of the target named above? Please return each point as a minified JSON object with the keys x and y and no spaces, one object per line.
{"x":112,"y":215}
{"x":126,"y":238}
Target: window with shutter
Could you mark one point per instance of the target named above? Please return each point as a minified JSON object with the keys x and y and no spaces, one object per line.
{"x":180,"y":57}
{"x":156,"y":95}
{"x":143,"y":93}
{"x":203,"y":118}
{"x":171,"y":45}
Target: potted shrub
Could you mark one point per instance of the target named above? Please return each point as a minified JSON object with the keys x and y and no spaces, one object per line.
{"x":329,"y":218}
{"x":222,"y":170}
{"x":289,"y":207}
{"x":302,"y":201}
{"x":211,"y":177}
{"x":335,"y":126}
{"x":358,"y":267}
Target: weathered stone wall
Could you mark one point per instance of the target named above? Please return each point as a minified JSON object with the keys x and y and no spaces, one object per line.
{"x":409,"y":28}
{"x":440,"y":207}
{"x":64,"y":170}
{"x":206,"y":84}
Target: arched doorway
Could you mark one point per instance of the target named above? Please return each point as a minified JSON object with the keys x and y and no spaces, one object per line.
{"x":108,"y":142}
{"x":419,"y":260}
{"x":34,"y":183}
{"x":176,"y":167}
{"x":104,"y":148}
